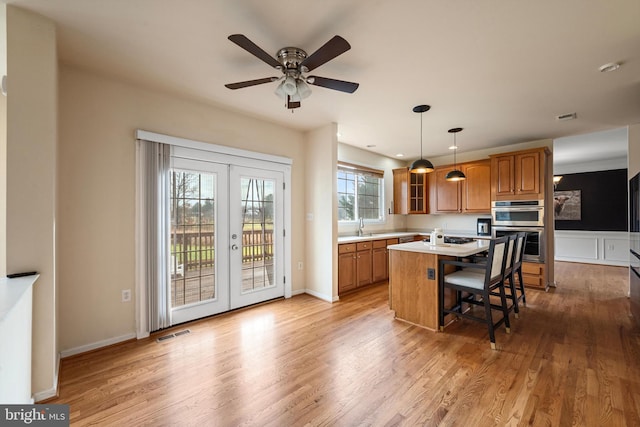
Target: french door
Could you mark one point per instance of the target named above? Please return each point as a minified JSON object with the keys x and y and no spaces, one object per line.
{"x":199,"y":259}
{"x":226,"y":238}
{"x":257,"y":235}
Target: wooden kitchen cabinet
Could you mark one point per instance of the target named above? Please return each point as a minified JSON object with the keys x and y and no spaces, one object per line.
{"x":346,"y":267}
{"x":380,"y":266}
{"x":533,"y":275}
{"x":380,"y":259}
{"x":518,"y":175}
{"x":409,"y":192}
{"x":363,"y":263}
{"x":473,"y":195}
{"x":476,"y":189}
{"x":445,"y":195}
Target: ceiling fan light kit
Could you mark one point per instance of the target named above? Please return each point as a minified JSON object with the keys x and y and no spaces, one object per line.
{"x":293,"y":62}
{"x":421,"y":165}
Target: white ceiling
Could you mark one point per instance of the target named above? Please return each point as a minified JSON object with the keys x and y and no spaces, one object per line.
{"x":501,"y":69}
{"x":604,"y":150}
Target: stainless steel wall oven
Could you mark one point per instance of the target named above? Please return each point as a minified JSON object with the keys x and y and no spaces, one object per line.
{"x":534,"y":247}
{"x":524,"y":213}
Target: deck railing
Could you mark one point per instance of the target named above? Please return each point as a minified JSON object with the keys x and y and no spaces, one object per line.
{"x":195,"y":250}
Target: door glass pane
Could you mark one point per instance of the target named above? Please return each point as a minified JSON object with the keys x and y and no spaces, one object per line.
{"x":192,"y":237}
{"x":258,"y":219}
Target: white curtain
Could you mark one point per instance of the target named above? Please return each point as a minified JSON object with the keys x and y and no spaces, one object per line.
{"x":152,"y":236}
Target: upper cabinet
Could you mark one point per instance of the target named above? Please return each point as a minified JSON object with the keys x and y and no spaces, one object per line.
{"x":476,"y":189}
{"x":518,"y":175}
{"x":409,"y":192}
{"x":473,"y":195}
{"x":444,"y":195}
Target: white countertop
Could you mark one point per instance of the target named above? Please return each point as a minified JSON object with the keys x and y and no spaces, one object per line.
{"x":392,"y":235}
{"x":11,"y":290}
{"x":376,"y":236}
{"x":463,"y":250}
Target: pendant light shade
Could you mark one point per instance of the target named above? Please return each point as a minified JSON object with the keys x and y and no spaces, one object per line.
{"x":455,"y":174}
{"x":421,"y":165}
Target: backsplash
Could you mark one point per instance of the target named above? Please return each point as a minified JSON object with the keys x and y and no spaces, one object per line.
{"x":391,"y":223}
{"x":444,"y":221}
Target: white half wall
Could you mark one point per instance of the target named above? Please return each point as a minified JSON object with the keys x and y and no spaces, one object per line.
{"x":592,"y":247}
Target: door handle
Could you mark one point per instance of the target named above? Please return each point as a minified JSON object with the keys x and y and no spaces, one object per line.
{"x":234,"y":247}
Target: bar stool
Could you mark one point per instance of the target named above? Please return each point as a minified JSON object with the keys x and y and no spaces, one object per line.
{"x":489,"y":280}
{"x":517,"y":269}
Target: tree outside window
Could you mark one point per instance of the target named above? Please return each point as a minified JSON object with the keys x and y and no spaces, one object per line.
{"x":359,"y":194}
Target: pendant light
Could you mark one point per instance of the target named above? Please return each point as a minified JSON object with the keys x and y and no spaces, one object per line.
{"x":455,"y":174}
{"x":421,"y":165}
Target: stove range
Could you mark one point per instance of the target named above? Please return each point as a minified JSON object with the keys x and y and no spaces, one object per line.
{"x":458,"y":240}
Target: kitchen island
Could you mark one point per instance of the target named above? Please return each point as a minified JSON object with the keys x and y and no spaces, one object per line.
{"x":413,"y":278}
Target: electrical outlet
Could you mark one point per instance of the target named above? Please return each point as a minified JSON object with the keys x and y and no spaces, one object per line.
{"x":126,"y":295}
{"x":431,"y":273}
{"x":299,"y":265}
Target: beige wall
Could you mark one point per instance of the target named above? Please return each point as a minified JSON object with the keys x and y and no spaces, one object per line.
{"x":3,"y":144}
{"x":321,"y":212}
{"x":351,"y":154}
{"x":98,"y":118}
{"x":31,"y":177}
{"x":634,"y":150}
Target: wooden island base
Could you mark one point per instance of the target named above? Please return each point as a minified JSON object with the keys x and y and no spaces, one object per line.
{"x":413,"y":279}
{"x":412,"y":295}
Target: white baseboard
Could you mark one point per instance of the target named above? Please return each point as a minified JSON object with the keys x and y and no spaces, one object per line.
{"x":96,"y":345}
{"x":319,"y":295}
{"x":51,"y":392}
{"x":298,"y":292}
{"x":45,"y":394}
{"x":593,"y":261}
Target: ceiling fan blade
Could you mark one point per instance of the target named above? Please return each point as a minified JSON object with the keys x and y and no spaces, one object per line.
{"x":334,"y":47}
{"x":291,"y":105}
{"x":334,"y":84}
{"x":254,"y":49}
{"x":248,"y":83}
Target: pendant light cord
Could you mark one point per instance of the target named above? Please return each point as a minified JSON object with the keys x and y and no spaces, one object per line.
{"x":421,"y":135}
{"x":455,"y":149}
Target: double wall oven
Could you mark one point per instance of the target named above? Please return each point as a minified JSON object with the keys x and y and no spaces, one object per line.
{"x":509,"y":217}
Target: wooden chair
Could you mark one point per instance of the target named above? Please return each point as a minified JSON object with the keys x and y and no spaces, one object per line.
{"x":508,"y":274}
{"x":513,"y":267}
{"x":468,"y":281}
{"x":521,"y":241}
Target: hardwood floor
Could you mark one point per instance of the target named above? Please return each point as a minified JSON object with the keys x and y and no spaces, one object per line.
{"x":572,"y":359}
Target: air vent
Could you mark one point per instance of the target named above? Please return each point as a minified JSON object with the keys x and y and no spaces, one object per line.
{"x":177,"y":334}
{"x":568,"y":116}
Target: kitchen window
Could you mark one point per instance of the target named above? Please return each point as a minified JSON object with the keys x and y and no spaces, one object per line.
{"x":360,"y":193}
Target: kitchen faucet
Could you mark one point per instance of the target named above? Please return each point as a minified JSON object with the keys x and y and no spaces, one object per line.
{"x":361,"y":227}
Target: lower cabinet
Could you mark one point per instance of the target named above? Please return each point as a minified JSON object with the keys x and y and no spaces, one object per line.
{"x":533,"y":275}
{"x":380,"y":267}
{"x":363,"y":263}
{"x":346,"y":267}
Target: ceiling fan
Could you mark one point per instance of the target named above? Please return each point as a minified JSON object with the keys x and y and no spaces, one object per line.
{"x":293,"y":62}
